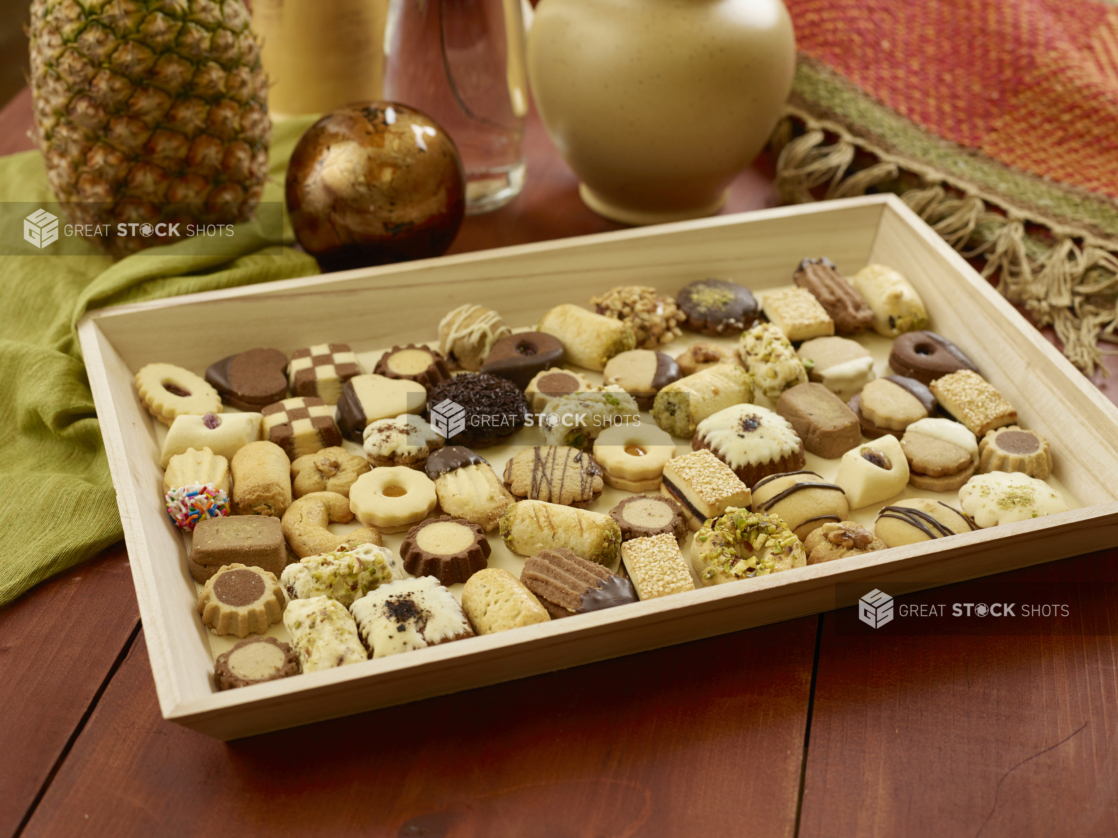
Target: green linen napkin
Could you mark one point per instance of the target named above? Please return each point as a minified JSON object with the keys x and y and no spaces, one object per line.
{"x":57,"y":503}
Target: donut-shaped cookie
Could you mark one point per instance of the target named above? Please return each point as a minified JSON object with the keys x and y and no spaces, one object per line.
{"x":927,"y":356}
{"x":305,"y":525}
{"x":392,"y":498}
{"x":633,"y":457}
{"x":740,"y":544}
{"x":168,"y":391}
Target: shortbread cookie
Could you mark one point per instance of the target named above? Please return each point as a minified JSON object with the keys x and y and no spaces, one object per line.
{"x":529,"y":526}
{"x":566,"y":584}
{"x":896,"y":306}
{"x":552,"y":384}
{"x":802,"y":499}
{"x":261,"y":480}
{"x":579,"y":419}
{"x":424,"y":366}
{"x":250,"y":540}
{"x":632,"y":457}
{"x":302,"y":425}
{"x":841,"y":300}
{"x":1004,"y":497}
{"x":973,"y":401}
{"x":840,"y":540}
{"x":889,"y":405}
{"x":798,"y":314}
{"x":752,"y":440}
{"x":250,"y":380}
{"x":323,"y":634}
{"x":450,"y":549}
{"x":556,"y":474}
{"x":328,"y":470}
{"x":718,"y":307}
{"x":589,"y":339}
{"x":406,"y":440}
{"x":740,"y":544}
{"x":494,"y":600}
{"x":919,"y":519}
{"x":241,"y":600}
{"x":827,"y":427}
{"x":225,"y":434}
{"x":392,"y":499}
{"x":771,"y":360}
{"x":703,"y":486}
{"x":369,"y":398}
{"x":653,"y":317}
{"x":656,"y":566}
{"x":194,"y":466}
{"x":641,"y":516}
{"x":254,"y":661}
{"x":1014,"y":449}
{"x":521,"y":357}
{"x":168,"y":391}
{"x":927,"y":356}
{"x":701,"y":355}
{"x":467,"y":487}
{"x":940,"y":454}
{"x":407,"y":615}
{"x":681,"y":406}
{"x":641,"y":373}
{"x":187,"y":506}
{"x":320,"y":371}
{"x":305,"y":525}
{"x":344,"y":575}
{"x":841,"y":365}
{"x":477,"y":410}
{"x":467,"y":334}
{"x":873,"y":472}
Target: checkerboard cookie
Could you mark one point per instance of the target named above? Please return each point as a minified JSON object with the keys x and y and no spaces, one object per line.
{"x":301,"y":426}
{"x":321,"y":370}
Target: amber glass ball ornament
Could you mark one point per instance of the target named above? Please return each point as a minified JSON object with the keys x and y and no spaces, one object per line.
{"x":374,"y":183}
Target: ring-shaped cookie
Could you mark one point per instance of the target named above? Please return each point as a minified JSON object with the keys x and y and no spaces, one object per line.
{"x":633,"y":457}
{"x":927,"y":356}
{"x":168,"y":391}
{"x":305,"y":525}
{"x":392,"y":498}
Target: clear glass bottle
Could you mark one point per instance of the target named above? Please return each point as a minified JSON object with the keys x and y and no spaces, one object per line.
{"x":462,"y":62}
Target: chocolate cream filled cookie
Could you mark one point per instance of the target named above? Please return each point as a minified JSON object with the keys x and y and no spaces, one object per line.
{"x":718,"y":307}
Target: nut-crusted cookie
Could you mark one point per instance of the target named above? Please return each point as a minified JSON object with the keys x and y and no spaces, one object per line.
{"x":523,"y":356}
{"x":841,"y":300}
{"x":771,"y":360}
{"x":973,"y":401}
{"x":424,"y":366}
{"x":344,"y":575}
{"x":589,"y":339}
{"x":940,"y":453}
{"x":896,"y":306}
{"x":1012,"y":448}
{"x":529,"y":526}
{"x":701,"y":355}
{"x":653,"y":317}
{"x":320,"y":371}
{"x":467,"y":334}
{"x":196,"y":467}
{"x":368,"y":398}
{"x":927,"y":356}
{"x":250,"y":380}
{"x":556,"y":474}
{"x":301,"y":425}
{"x":682,"y":405}
{"x":873,"y":472}
{"x":566,"y":584}
{"x":241,"y":600}
{"x":632,"y":457}
{"x":323,"y":634}
{"x":827,"y":427}
{"x":703,"y":486}
{"x":168,"y":391}
{"x":393,"y":498}
{"x":641,"y":373}
{"x":840,"y":540}
{"x":802,"y":499}
{"x":467,"y":487}
{"x":797,"y":313}
{"x":919,"y":519}
{"x":329,"y":470}
{"x":406,"y":440}
{"x":1004,"y":497}
{"x":641,"y":516}
{"x":450,"y":549}
{"x":254,"y":661}
{"x":494,"y":600}
{"x":656,"y":566}
{"x":718,"y":307}
{"x":553,"y":384}
{"x":409,"y":614}
{"x":740,"y":544}
{"x":249,"y":540}
{"x":841,"y":365}
{"x":889,"y":405}
{"x":752,"y":440}
{"x":305,"y":525}
{"x":261,"y":480}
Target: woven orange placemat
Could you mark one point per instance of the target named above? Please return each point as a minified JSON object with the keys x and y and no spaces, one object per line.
{"x":996,"y":120}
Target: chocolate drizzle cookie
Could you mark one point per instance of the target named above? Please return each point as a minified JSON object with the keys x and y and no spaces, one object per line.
{"x":718,"y":307}
{"x":450,"y":549}
{"x":492,"y":408}
{"x":927,"y":356}
{"x":802,"y":499}
{"x":413,"y":363}
{"x":467,"y":333}
{"x":919,"y":519}
{"x":521,"y":357}
{"x":556,"y":474}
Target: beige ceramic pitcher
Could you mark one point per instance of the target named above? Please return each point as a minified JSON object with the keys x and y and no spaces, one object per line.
{"x":658,"y":104}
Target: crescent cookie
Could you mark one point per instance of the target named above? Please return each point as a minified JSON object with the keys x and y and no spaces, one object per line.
{"x":1004,"y":497}
{"x":305,"y":525}
{"x":392,"y":498}
{"x":633,"y":457}
{"x":167,"y":391}
{"x":754,"y":441}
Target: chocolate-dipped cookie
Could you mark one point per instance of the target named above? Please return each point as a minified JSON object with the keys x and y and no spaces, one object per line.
{"x":718,"y":307}
{"x":369,"y":398}
{"x":254,"y":661}
{"x":492,"y":409}
{"x":841,"y":300}
{"x":450,"y":549}
{"x":642,"y":373}
{"x":413,"y":363}
{"x":889,"y":405}
{"x":641,"y":516}
{"x":519,"y":358}
{"x":250,"y":380}
{"x":566,"y":584}
{"x":927,"y":356}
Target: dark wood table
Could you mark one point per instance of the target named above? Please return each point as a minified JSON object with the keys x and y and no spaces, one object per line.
{"x":816,"y":726}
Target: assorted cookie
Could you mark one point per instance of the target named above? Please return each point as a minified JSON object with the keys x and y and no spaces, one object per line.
{"x":392,"y":498}
{"x":919,"y":519}
{"x":927,"y":356}
{"x":467,"y":487}
{"x":797,"y":314}
{"x":972,"y":400}
{"x":342,"y":575}
{"x":941,"y":454}
{"x":718,"y":307}
{"x":553,"y":384}
{"x":167,"y":392}
{"x":409,"y":614}
{"x":494,"y":600}
{"x":841,"y":300}
{"x":822,"y":421}
{"x":771,"y":360}
{"x":589,"y":339}
{"x":529,"y":526}
{"x":841,"y":365}
{"x":682,"y":405}
{"x":641,"y":516}
{"x":483,"y":409}
{"x":642,"y":373}
{"x":523,"y":356}
{"x":1011,"y":448}
{"x":241,"y":600}
{"x":250,"y":380}
{"x":699,"y":356}
{"x":566,"y":584}
{"x":254,"y":661}
{"x":261,"y":480}
{"x":329,"y":470}
{"x":247,"y":540}
{"x":632,"y":457}
{"x":840,"y":540}
{"x":802,"y":499}
{"x":468,"y":333}
{"x":703,"y":486}
{"x":196,"y":467}
{"x":407,"y":440}
{"x":889,"y":405}
{"x":450,"y":549}
{"x":223,"y":433}
{"x":556,"y":474}
{"x":653,"y":317}
{"x":741,"y":544}
{"x":579,"y":419}
{"x":323,"y":634}
{"x":369,"y":398}
{"x":873,"y":473}
{"x":305,"y":525}
{"x":896,"y":306}
{"x":656,"y":567}
{"x":420,"y":364}
{"x":320,"y":371}
{"x":301,"y":425}
{"x":752,"y":440}
{"x":1005,"y":497}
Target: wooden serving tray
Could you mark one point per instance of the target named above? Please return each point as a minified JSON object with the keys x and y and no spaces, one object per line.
{"x":379,"y":307}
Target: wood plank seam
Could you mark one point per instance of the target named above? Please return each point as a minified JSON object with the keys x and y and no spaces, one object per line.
{"x":807,"y":723}
{"x":78,"y":728}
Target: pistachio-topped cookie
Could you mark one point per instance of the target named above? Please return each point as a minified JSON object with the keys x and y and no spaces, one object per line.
{"x":741,"y":544}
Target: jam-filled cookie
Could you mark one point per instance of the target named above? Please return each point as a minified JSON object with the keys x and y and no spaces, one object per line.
{"x":632,"y":457}
{"x":167,"y":391}
{"x":873,"y":472}
{"x":391,"y":499}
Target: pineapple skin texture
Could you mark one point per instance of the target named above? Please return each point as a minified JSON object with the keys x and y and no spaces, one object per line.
{"x":149,"y":111}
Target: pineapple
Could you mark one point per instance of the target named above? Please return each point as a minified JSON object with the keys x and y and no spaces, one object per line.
{"x":149,"y":111}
